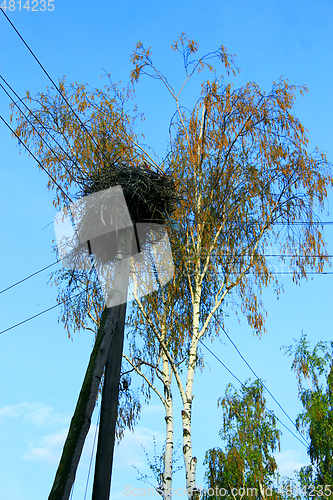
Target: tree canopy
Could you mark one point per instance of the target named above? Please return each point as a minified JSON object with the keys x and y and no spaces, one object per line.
{"x":244,"y":180}
{"x":251,"y":437}
{"x":316,"y":420}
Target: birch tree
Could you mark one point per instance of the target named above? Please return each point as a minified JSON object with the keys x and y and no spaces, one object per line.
{"x":247,"y":466}
{"x":245,"y":181}
{"x":316,"y":420}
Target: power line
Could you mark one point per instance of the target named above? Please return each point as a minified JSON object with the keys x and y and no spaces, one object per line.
{"x":244,"y":386}
{"x":43,"y":312}
{"x":274,"y":273}
{"x":241,"y":383}
{"x":254,"y":373}
{"x":311,"y":273}
{"x":303,"y":223}
{"x":273,"y":223}
{"x":92,"y":453}
{"x":42,"y":138}
{"x":52,"y":81}
{"x":57,"y":88}
{"x":39,"y":163}
{"x":284,"y":255}
{"x":30,"y":276}
{"x":42,"y":125}
{"x":31,"y":317}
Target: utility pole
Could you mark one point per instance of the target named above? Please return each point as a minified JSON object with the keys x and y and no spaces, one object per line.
{"x":107,"y":352}
{"x":109,"y":408}
{"x":80,"y":422}
{"x":105,"y":228}
{"x":109,"y":332}
{"x":109,"y":413}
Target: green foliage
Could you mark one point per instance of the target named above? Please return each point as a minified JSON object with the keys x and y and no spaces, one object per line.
{"x":251,"y":439}
{"x":241,"y":168}
{"x":316,"y":421}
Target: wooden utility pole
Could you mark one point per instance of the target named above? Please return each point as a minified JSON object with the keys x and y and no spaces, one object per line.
{"x":109,"y":413}
{"x":80,"y":422}
{"x":110,"y":333}
{"x":109,"y":409}
{"x":105,"y":220}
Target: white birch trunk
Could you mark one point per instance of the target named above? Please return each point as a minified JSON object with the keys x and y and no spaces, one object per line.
{"x":189,"y":459}
{"x":168,"y":458}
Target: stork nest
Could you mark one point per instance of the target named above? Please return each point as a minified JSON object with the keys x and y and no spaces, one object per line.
{"x":150,"y":196}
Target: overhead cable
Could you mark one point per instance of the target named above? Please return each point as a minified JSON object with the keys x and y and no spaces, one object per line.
{"x":42,"y":125}
{"x":30,"y":276}
{"x":43,"y":312}
{"x":274,"y":273}
{"x":244,"y":386}
{"x":42,"y":138}
{"x":39,"y":163}
{"x":254,"y":373}
{"x":53,"y":83}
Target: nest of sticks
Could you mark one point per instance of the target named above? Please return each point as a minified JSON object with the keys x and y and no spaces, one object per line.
{"x":150,"y":196}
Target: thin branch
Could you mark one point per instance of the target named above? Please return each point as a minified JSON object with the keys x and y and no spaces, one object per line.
{"x":165,"y":349}
{"x":139,"y":372}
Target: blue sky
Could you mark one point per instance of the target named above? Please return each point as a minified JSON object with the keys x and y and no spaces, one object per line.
{"x":41,"y":370}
